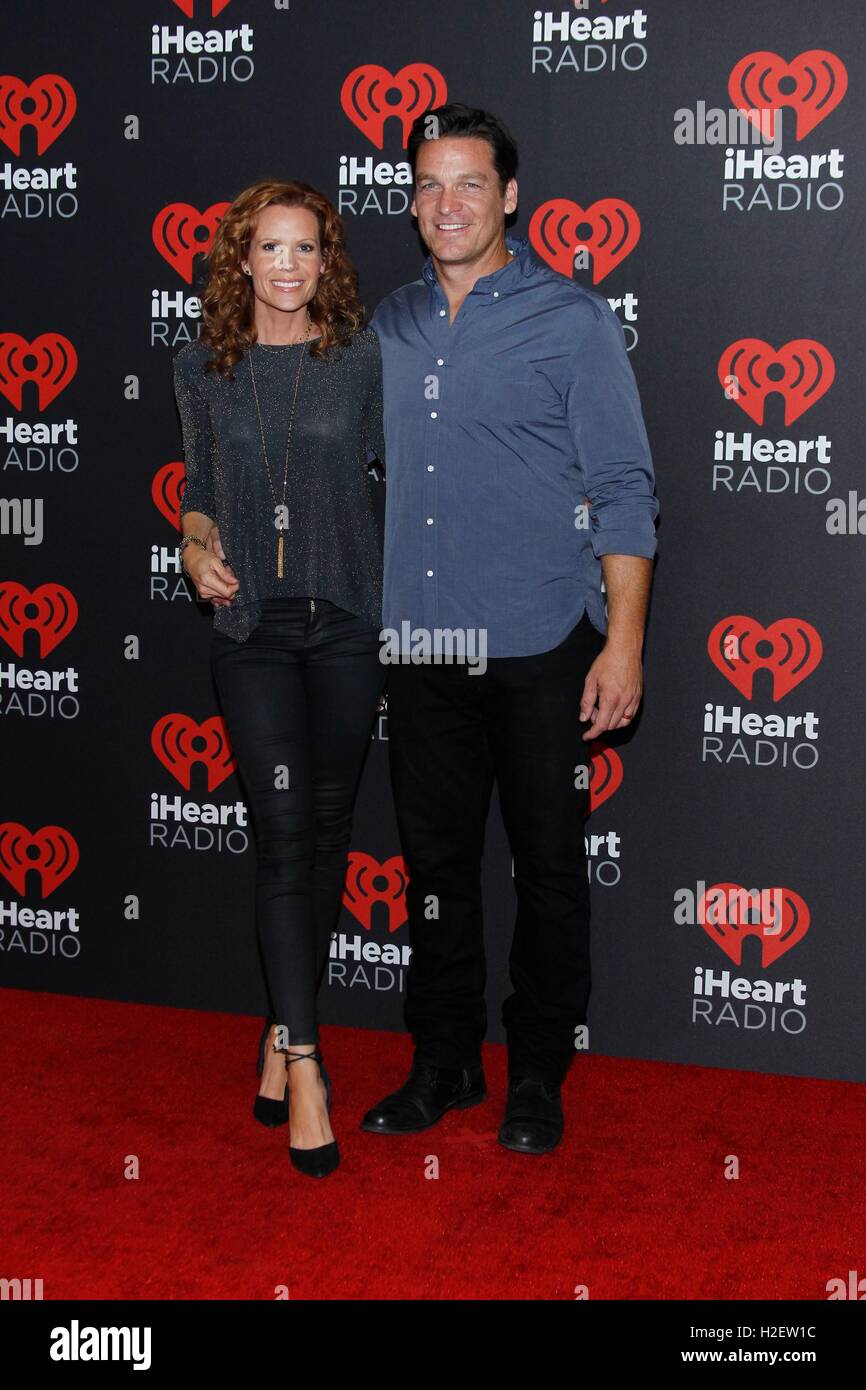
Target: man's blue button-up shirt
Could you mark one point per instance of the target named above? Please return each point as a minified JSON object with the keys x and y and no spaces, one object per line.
{"x":498,"y":427}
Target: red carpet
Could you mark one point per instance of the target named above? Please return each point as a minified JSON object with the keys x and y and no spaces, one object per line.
{"x":634,"y":1203}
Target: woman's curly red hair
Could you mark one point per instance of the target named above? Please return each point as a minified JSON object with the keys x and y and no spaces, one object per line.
{"x":228,"y":299}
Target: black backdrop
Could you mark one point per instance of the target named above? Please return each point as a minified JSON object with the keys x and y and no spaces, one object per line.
{"x":742,"y":301}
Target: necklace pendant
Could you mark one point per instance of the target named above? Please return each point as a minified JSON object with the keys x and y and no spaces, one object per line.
{"x":280,"y":557}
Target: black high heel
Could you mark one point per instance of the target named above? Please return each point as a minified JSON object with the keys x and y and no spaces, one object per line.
{"x":273,"y":1113}
{"x":318,"y":1162}
{"x":267,"y":1111}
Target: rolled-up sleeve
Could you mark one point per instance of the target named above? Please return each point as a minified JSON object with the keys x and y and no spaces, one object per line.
{"x":199,"y":442}
{"x":609,"y":435}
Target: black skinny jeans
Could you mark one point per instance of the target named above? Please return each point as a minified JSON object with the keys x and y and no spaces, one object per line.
{"x":299,"y":698}
{"x":450,"y":734}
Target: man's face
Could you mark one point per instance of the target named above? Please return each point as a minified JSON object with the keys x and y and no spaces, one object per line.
{"x":458,"y":202}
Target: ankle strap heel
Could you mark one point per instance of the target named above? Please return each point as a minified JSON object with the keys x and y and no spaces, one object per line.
{"x":315,"y":1056}
{"x":319,"y":1162}
{"x":268,"y":1112}
{"x":291,"y":1056}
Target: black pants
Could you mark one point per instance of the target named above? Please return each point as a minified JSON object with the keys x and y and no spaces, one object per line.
{"x":299,"y":698}
{"x":450,"y":733}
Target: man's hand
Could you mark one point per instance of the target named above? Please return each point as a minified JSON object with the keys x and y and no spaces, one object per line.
{"x":612,"y":690}
{"x":614,"y":683}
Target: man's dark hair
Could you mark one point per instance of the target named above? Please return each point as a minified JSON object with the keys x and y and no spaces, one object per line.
{"x":455,"y":119}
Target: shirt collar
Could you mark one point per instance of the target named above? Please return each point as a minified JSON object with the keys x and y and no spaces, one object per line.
{"x":502,"y":280}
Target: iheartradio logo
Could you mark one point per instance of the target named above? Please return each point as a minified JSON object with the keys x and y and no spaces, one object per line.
{"x":368,"y":882}
{"x":728,"y":914}
{"x":813,"y":84}
{"x":216,"y":7}
{"x":801,"y":372}
{"x":605,"y":774}
{"x":609,"y":229}
{"x":790,"y":648}
{"x":167,"y":491}
{"x":370,"y":95}
{"x":50,"y":105}
{"x":52,"y":851}
{"x":179,"y":743}
{"x":49,"y":360}
{"x":180,"y":233}
{"x":50,"y":610}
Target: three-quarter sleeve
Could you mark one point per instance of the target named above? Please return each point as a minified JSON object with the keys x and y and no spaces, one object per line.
{"x":198,"y":439}
{"x":374,"y":426}
{"x":608,"y":432}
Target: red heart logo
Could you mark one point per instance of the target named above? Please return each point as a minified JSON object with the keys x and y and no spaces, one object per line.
{"x":51,"y":610}
{"x":54,"y":106}
{"x":369,"y":882}
{"x":174,"y":234}
{"x":740,"y":646}
{"x":216,"y":7}
{"x":820,"y":81}
{"x":179,"y":742}
{"x":50,"y":360}
{"x":167,"y":490}
{"x":802,"y":372}
{"x":51,"y":851}
{"x":605,"y":774}
{"x":727,"y":913}
{"x":611,"y":231}
{"x":365,"y":92}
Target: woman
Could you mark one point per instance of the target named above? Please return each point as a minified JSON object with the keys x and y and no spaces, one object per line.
{"x":281,"y":407}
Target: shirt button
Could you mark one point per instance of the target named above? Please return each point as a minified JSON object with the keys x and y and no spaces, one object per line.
{"x":433,"y":415}
{"x":429,"y":468}
{"x":440,"y":361}
{"x":429,"y":574}
{"x":429,"y":521}
{"x":441,"y":313}
{"x":495,"y":294}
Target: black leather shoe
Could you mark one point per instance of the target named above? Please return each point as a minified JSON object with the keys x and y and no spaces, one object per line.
{"x":533,"y":1120}
{"x":426,"y":1096}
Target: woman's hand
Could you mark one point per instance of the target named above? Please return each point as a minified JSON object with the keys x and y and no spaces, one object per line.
{"x":213,"y":579}
{"x":213,"y":542}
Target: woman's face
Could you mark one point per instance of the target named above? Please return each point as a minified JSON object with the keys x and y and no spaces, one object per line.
{"x":285,"y":257}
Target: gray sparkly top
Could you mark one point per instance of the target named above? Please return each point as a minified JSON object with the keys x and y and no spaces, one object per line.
{"x":332,"y":546}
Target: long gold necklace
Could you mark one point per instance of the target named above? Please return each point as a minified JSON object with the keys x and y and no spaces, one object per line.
{"x":280,"y":509}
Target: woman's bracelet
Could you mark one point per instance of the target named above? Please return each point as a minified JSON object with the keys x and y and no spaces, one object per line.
{"x":191,"y":540}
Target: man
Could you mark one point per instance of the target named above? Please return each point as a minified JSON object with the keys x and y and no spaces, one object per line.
{"x":518,"y":473}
